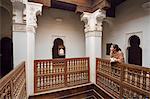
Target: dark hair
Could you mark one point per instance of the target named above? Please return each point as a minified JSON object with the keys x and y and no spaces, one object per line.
{"x":115,"y":46}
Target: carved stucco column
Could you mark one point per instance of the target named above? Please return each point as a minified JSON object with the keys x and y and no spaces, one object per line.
{"x":146,"y":6}
{"x":19,"y":32}
{"x":93,"y":36}
{"x":32,"y":10}
{"x":18,"y":10}
{"x":146,"y":31}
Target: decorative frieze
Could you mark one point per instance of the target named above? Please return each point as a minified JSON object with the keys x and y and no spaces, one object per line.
{"x":30,"y":29}
{"x":146,"y":6}
{"x":21,"y":1}
{"x":93,"y":34}
{"x":32,"y":10}
{"x":18,"y":8}
{"x":18,"y":27}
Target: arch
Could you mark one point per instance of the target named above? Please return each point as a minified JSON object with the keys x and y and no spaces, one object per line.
{"x":6,"y":22}
{"x":134,"y":51}
{"x":58,"y":50}
{"x":7,"y":5}
{"x":6,"y":43}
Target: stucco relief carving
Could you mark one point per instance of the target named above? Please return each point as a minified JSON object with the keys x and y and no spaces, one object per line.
{"x":93,"y":34}
{"x":30,"y":29}
{"x":146,"y":6}
{"x":32,"y":10}
{"x":18,"y":8}
{"x":93,"y":21}
{"x":17,"y":27}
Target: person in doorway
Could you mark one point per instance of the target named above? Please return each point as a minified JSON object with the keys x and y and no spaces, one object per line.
{"x":116,"y":55}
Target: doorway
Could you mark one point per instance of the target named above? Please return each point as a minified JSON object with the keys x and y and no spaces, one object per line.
{"x":134,"y":51}
{"x":58,"y":50}
{"x":6,"y":44}
{"x":6,"y":56}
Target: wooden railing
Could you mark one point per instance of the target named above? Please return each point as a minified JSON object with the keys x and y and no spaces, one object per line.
{"x":59,"y":73}
{"x":123,"y":81}
{"x":13,"y":85}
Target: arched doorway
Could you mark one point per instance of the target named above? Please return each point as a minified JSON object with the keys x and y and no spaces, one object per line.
{"x":58,"y":50}
{"x":135,"y":51}
{"x":6,"y":56}
{"x":6,"y":45}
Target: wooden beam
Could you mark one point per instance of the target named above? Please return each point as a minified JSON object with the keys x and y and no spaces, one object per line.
{"x":86,"y":3}
{"x":82,"y":5}
{"x":100,"y":4}
{"x":44,"y":2}
{"x":96,"y":4}
{"x":83,"y":9}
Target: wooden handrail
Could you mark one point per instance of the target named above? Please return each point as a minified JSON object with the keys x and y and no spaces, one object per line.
{"x":51,"y":74}
{"x":123,"y":80}
{"x":13,"y":85}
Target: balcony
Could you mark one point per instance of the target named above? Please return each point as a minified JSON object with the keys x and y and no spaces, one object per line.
{"x":70,"y":78}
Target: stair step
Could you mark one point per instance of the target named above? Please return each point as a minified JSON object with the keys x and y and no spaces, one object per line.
{"x":84,"y":91}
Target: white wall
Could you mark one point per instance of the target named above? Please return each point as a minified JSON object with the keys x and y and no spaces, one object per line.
{"x":19,"y":47}
{"x":130,"y":18}
{"x":70,"y":29}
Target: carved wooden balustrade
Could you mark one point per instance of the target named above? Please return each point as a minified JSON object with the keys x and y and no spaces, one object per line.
{"x":58,"y":73}
{"x":13,"y":85}
{"x":123,"y":81}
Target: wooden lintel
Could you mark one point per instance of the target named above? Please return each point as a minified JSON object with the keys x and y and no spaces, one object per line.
{"x":83,"y":9}
{"x":86,"y":3}
{"x":44,"y":2}
{"x":98,"y":4}
{"x":102,"y":4}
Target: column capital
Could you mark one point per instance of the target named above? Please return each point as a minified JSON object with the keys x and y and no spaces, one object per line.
{"x":93,"y":21}
{"x":32,"y":10}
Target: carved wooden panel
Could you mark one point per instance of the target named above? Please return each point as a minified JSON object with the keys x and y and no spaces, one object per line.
{"x":123,"y":80}
{"x":58,"y":73}
{"x":13,"y":85}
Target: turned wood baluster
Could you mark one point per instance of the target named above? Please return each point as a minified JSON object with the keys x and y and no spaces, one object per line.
{"x":51,"y":67}
{"x":44,"y":63}
{"x":65,"y":72}
{"x":42,"y":83}
{"x":48,"y":82}
{"x":133,"y":77}
{"x":144,"y":80}
{"x":148,"y":81}
{"x":51,"y":81}
{"x":126,"y":74}
{"x":48,"y":66}
{"x":141,"y":80}
{"x":45,"y":83}
{"x":136,"y":79}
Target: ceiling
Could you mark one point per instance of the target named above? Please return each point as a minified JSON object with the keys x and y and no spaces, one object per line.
{"x":62,"y":5}
{"x":112,"y":9}
{"x":83,"y":5}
